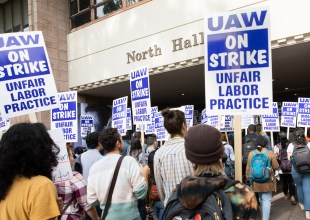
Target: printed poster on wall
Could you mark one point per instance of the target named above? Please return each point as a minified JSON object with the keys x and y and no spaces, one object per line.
{"x":271,"y":122}
{"x":288,"y":114}
{"x":65,"y":117}
{"x":63,"y":171}
{"x":303,"y":117}
{"x":119,"y":114}
{"x":26,"y":80}
{"x":238,"y":73}
{"x":140,"y":96}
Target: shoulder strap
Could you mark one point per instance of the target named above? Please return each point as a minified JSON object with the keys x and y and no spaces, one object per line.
{"x":108,"y":203}
{"x":66,"y":207}
{"x":266,"y":152}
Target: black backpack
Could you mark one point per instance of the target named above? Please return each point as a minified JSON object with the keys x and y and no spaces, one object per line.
{"x":215,"y":206}
{"x":301,"y":158}
{"x":248,"y":146}
{"x":77,"y":166}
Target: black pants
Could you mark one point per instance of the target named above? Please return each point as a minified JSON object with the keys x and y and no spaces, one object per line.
{"x":287,"y":184}
{"x":142,"y":208}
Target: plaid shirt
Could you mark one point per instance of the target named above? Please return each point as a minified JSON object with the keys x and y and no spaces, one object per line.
{"x":75,"y":188}
{"x":170,"y":167}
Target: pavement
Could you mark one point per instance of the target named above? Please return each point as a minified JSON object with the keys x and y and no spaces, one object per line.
{"x":283,"y":210}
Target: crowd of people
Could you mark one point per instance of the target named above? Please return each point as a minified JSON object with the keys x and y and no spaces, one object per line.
{"x":191,"y":176}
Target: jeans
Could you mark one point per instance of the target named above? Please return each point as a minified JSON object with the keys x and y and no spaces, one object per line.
{"x":265,"y":200}
{"x":158,"y":209}
{"x":303,"y":188}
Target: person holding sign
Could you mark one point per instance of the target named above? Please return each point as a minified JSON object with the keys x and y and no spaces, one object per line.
{"x":27,"y":158}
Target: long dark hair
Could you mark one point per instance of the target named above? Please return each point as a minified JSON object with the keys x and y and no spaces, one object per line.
{"x":299,"y":136}
{"x":25,"y":150}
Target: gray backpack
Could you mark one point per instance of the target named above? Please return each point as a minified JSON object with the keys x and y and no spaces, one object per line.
{"x":301,"y":158}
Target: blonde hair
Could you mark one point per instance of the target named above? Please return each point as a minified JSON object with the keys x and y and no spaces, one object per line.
{"x":215,"y":168}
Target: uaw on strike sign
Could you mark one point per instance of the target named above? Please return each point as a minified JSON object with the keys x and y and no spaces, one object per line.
{"x":238,"y":77}
{"x":26,"y":81}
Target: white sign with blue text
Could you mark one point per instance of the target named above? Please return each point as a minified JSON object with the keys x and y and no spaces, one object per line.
{"x":150,"y":128}
{"x":161,"y":132}
{"x":227,"y":123}
{"x":189,"y":115}
{"x":288,"y":114}
{"x":62,"y":171}
{"x":4,"y":124}
{"x":65,"y":117}
{"x":86,"y":124}
{"x":271,"y":122}
{"x":204,"y":117}
{"x":238,"y":73}
{"x":303,"y":117}
{"x":119,"y":114}
{"x":213,"y":120}
{"x":26,"y":80}
{"x":128,"y":120}
{"x":140,"y":96}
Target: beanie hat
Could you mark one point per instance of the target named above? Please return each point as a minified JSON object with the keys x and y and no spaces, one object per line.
{"x":203,"y":144}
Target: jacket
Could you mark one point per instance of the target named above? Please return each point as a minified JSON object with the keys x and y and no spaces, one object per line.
{"x":271,"y":185}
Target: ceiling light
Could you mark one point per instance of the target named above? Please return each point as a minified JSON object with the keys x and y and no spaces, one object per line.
{"x":295,"y":94}
{"x":286,"y":88}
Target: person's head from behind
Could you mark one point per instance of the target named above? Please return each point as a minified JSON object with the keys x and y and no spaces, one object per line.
{"x":251,"y":129}
{"x":92,"y":140}
{"x":204,"y":148}
{"x":259,"y":129}
{"x":261,"y":142}
{"x":174,"y":122}
{"x":111,"y":140}
{"x":299,"y":136}
{"x":223,"y":137}
{"x":136,"y":144}
{"x":78,"y":150}
{"x":26,"y":150}
{"x":284,"y":142}
{"x":151,"y":141}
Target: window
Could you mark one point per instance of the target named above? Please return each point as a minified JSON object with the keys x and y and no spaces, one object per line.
{"x":14,"y":16}
{"x":84,"y":11}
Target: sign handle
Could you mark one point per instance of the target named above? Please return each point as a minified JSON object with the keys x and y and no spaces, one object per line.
{"x":226,"y":137}
{"x":288,"y":133}
{"x":306,"y":132}
{"x":33,"y":118}
{"x":161,"y":143}
{"x":271,"y":139}
{"x":142,"y":144}
{"x":238,"y":147}
{"x":219,"y":118}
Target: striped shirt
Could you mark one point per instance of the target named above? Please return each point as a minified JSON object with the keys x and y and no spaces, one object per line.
{"x":170,"y":167}
{"x":74,"y":188}
{"x":130,"y":186}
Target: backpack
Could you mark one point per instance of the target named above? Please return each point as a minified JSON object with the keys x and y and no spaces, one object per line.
{"x":285,"y":164}
{"x":301,"y":158}
{"x":77,"y":166}
{"x":216,"y":205}
{"x":260,"y":167}
{"x":247,"y":147}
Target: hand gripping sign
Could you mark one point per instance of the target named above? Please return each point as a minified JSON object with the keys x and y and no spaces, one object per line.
{"x":26,"y":81}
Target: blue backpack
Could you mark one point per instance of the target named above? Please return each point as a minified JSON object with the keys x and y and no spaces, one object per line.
{"x":260,"y":167}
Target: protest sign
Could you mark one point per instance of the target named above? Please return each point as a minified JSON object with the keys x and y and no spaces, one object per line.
{"x":119,"y":114}
{"x":161,"y":132}
{"x":65,"y":117}
{"x":288,"y":114}
{"x":271,"y":122}
{"x":63,"y":170}
{"x":227,"y":123}
{"x":204,"y":117}
{"x":238,"y":73}
{"x":150,"y":128}
{"x":140,"y":96}
{"x":247,"y":120}
{"x":303,"y":118}
{"x":213,"y":120}
{"x":26,"y":81}
{"x":4,"y":124}
{"x":189,"y":115}
{"x":128,"y":120}
{"x":87,"y":123}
